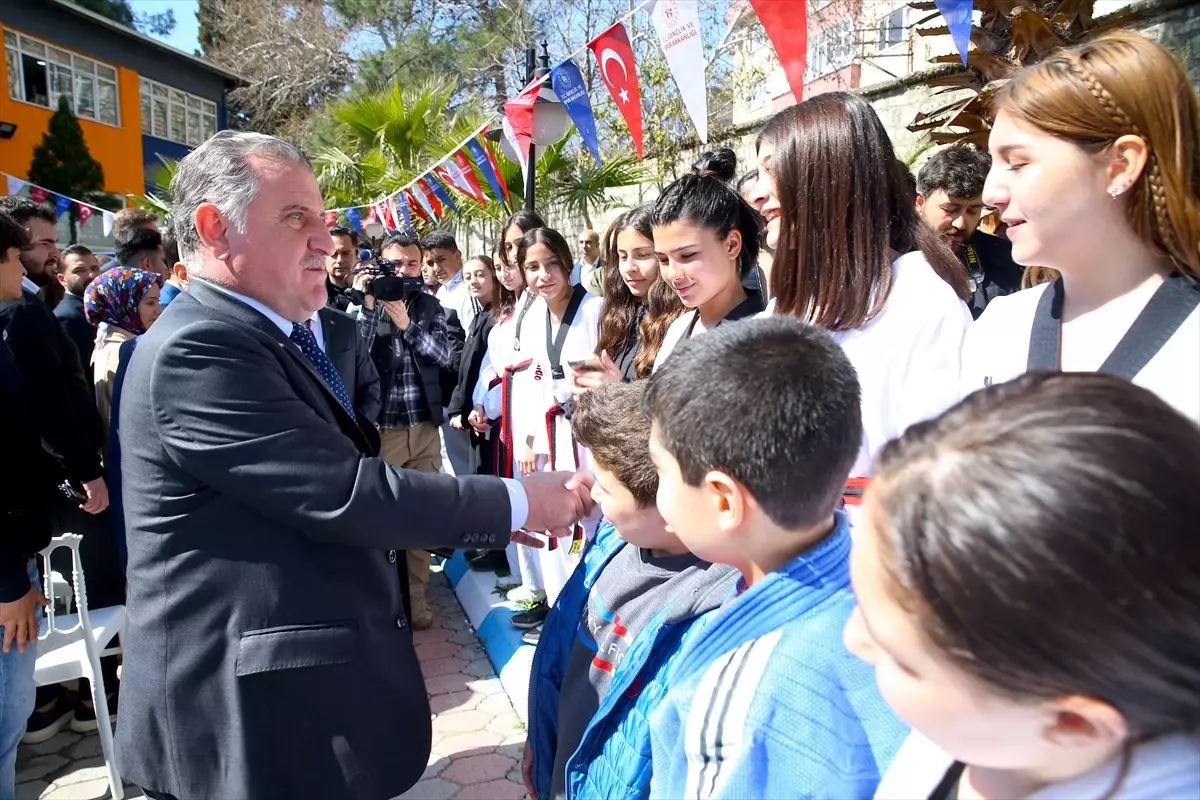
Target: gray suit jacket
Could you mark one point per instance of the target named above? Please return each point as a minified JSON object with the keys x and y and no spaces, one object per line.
{"x":267,"y":654}
{"x":352,"y":358}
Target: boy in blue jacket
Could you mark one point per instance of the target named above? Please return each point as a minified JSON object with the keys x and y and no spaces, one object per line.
{"x":635,"y":600}
{"x":754,"y":429}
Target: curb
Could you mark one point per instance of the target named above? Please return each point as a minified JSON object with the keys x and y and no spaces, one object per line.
{"x":490,"y":614}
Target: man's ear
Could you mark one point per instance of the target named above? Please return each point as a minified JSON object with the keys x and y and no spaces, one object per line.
{"x":61,"y":278}
{"x":212,"y":229}
{"x":920,"y":201}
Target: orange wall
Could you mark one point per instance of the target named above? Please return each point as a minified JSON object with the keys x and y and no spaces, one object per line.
{"x":119,"y":150}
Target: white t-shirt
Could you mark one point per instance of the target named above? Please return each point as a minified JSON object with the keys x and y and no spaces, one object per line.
{"x":456,"y":296}
{"x":996,"y":350}
{"x":907,"y":357}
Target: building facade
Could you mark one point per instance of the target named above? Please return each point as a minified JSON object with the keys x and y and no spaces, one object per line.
{"x":136,"y":98}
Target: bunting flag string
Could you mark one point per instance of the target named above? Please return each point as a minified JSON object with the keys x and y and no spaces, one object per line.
{"x":62,"y":203}
{"x":441,"y":194}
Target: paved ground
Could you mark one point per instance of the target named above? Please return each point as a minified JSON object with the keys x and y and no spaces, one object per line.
{"x":477,"y":737}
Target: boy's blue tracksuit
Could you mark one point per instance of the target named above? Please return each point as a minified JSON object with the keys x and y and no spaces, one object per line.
{"x":766,"y":702}
{"x":613,"y":757}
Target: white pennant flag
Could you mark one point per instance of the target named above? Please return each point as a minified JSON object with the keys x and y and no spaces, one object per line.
{"x":108,"y":222}
{"x":15,"y":185}
{"x":678,"y":26}
{"x":522,"y":156}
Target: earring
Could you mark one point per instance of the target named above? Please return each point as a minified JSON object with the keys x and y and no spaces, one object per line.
{"x":1117,"y":191}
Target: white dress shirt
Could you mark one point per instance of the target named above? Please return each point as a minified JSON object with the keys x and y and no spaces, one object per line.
{"x":518,"y":501}
{"x":582,"y":271}
{"x":455,"y":296}
{"x":29,"y":285}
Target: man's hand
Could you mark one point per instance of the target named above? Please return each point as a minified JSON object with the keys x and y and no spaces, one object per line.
{"x":557,"y":500}
{"x":97,"y":496}
{"x":527,"y":771}
{"x":19,"y":620}
{"x":478,"y":420}
{"x":360,"y":283}
{"x":399,"y":313}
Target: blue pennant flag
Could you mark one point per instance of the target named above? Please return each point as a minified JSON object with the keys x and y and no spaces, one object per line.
{"x":957,"y":14}
{"x":63,"y":204}
{"x":485,"y":167}
{"x":440,"y":192}
{"x":354,"y":218}
{"x":568,"y":84}
{"x":402,"y":204}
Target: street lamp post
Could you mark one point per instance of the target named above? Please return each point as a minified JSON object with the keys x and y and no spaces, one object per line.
{"x":550,"y":120}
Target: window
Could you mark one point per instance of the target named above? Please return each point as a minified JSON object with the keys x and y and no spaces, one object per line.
{"x":892,"y":28}
{"x":39,"y":73}
{"x":831,"y":49}
{"x":178,"y":116}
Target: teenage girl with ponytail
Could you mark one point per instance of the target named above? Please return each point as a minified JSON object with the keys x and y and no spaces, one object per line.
{"x":706,"y":237}
{"x":852,"y":256}
{"x":1096,"y":172}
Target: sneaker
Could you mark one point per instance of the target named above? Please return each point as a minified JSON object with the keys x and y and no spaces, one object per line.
{"x":43,"y":725}
{"x":531,"y":618}
{"x":84,"y":720}
{"x":523,"y":594}
{"x":532,"y":636}
{"x":422,"y":619}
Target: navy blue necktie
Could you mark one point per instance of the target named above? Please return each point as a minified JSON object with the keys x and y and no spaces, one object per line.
{"x":307,"y":343}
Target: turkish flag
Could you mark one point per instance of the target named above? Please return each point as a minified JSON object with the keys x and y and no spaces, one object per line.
{"x":85,"y":213}
{"x":330,"y":219}
{"x":786,"y":24}
{"x":614,"y":54}
{"x":38,"y":194}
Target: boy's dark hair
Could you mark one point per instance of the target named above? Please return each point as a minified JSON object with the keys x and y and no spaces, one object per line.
{"x":12,"y":234}
{"x":1043,"y":535}
{"x":170,"y":248}
{"x":22,"y":209}
{"x":400,"y":240}
{"x":610,"y":423}
{"x":76,"y":250}
{"x":129,"y":218}
{"x":131,"y":242}
{"x":342,"y":230}
{"x":773,"y":403}
{"x":439,"y":240}
{"x":960,"y":170}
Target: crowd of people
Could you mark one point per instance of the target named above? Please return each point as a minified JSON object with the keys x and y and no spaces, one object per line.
{"x":808,"y":485}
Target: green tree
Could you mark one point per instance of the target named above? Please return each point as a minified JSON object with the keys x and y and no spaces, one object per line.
{"x":62,"y":163}
{"x":160,"y":24}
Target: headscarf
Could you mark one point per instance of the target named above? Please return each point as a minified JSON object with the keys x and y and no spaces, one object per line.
{"x":114,"y":295}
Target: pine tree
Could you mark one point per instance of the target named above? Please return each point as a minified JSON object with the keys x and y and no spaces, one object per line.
{"x":62,"y":163}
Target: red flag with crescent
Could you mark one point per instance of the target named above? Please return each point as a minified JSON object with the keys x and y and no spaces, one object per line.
{"x":614,"y":54}
{"x":413,"y":205}
{"x":330,"y":219}
{"x":85,"y":213}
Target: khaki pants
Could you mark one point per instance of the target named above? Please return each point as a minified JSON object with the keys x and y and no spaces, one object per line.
{"x":417,"y":448}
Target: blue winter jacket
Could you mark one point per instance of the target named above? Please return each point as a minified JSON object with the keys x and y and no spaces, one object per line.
{"x":768,"y":703}
{"x":613,"y":758}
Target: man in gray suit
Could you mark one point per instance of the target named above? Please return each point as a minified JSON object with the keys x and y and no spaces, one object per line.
{"x":267,"y":652}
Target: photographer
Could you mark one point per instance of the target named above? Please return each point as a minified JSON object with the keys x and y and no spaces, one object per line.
{"x":414,"y":346}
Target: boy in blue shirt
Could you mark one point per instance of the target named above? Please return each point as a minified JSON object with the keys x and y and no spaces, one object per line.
{"x":754,"y":429}
{"x":635,"y":600}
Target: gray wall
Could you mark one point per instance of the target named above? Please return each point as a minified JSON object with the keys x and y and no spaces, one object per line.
{"x":56,"y":25}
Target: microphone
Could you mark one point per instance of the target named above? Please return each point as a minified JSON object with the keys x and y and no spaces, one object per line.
{"x":365,"y":255}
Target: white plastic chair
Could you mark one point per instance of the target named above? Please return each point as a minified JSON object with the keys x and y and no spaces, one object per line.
{"x":71,"y":645}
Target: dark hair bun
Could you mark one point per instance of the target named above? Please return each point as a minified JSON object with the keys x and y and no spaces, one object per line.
{"x":721,"y":165}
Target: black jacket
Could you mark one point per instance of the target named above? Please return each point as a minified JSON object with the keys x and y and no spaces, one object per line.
{"x":437,"y":381}
{"x":340,"y":299}
{"x":83,"y":333}
{"x":25,"y":492}
{"x":473,"y":351}
{"x":63,"y":403}
{"x":991,"y":269}
{"x":267,"y":654}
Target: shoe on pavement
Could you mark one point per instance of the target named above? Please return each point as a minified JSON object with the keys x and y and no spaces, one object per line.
{"x":523,"y":594}
{"x":487,"y":560}
{"x":84,"y":720}
{"x":422,"y":619}
{"x":532,"y":636}
{"x":531,"y":618}
{"x":43,"y":725}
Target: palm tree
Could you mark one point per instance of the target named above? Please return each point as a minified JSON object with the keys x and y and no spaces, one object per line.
{"x":1011,"y":34}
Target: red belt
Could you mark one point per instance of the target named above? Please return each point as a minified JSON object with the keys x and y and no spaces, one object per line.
{"x":853,"y":494}
{"x":556,"y":411}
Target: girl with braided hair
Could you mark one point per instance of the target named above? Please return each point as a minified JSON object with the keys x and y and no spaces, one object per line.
{"x":1096,"y":172}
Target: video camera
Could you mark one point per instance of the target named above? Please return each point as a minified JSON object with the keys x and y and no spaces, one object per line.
{"x":385,"y":285}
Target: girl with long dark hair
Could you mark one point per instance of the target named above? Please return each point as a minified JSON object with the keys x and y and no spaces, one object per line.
{"x":1096,"y":172}
{"x":853,"y":257}
{"x":706,"y":238}
{"x":1028,"y":584}
{"x":638,"y":305}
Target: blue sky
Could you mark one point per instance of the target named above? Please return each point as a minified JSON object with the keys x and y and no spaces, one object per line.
{"x":186,"y":35}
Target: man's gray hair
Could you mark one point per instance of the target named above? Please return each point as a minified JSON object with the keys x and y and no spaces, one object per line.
{"x":219,"y":172}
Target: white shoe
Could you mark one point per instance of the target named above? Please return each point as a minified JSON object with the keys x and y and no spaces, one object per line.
{"x":523,"y":594}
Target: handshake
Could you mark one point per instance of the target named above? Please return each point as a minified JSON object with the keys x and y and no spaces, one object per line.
{"x":557,"y":500}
